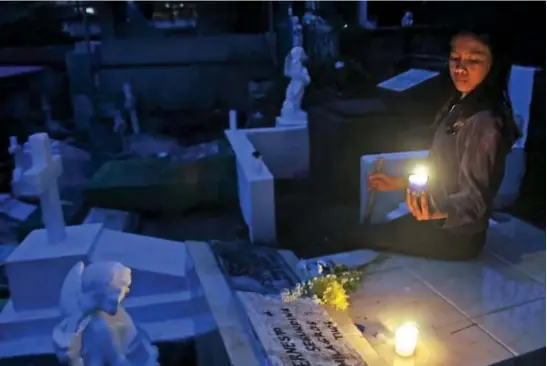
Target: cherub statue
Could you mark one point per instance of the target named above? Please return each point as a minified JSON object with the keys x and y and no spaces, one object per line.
{"x":300,"y":78}
{"x":96,"y":330}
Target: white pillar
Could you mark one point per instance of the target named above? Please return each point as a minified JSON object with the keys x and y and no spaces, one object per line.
{"x":362,"y":12}
{"x":232,"y":118}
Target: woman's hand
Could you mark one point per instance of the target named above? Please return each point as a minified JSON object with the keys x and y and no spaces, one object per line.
{"x":385,"y":183}
{"x":420,"y":208}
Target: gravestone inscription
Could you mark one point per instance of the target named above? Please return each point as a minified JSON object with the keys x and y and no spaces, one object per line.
{"x":298,"y":333}
{"x":254,"y":268}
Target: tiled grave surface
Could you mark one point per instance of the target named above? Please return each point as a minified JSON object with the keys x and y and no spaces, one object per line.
{"x":469,"y":313}
{"x":519,"y":244}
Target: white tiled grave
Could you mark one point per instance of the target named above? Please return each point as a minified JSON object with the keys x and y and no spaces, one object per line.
{"x":472,"y":313}
{"x":285,"y":155}
{"x":164,"y":294}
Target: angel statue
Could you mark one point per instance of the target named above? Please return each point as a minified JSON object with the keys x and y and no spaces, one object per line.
{"x":96,"y":330}
{"x":291,"y":112}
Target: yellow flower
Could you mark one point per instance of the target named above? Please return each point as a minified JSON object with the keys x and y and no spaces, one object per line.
{"x":331,"y":292}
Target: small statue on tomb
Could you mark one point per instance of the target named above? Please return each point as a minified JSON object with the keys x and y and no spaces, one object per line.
{"x":96,"y":329}
{"x":408,"y":19}
{"x":291,"y":112}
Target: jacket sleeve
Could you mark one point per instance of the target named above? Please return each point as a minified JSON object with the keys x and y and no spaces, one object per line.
{"x":480,"y":147}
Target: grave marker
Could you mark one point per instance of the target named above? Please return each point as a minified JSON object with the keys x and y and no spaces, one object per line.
{"x":41,"y":178}
{"x":298,"y":333}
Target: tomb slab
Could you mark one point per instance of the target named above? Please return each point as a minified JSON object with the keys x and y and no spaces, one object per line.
{"x":37,"y":269}
{"x":158,"y":266}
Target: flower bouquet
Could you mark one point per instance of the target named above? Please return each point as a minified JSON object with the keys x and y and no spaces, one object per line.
{"x":328,"y":283}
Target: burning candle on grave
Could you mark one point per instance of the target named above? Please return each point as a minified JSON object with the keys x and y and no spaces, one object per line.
{"x":417,"y":181}
{"x":406,"y":339}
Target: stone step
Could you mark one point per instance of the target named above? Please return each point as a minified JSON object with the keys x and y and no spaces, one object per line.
{"x":143,"y":309}
{"x":161,"y":331}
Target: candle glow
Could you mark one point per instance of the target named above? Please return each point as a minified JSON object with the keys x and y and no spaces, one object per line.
{"x":418,"y":180}
{"x":406,"y":339}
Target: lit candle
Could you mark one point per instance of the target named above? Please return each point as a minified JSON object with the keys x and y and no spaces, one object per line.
{"x":418,"y":180}
{"x":406,"y":338}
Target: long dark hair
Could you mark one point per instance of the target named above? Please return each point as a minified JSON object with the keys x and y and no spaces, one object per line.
{"x":492,"y":93}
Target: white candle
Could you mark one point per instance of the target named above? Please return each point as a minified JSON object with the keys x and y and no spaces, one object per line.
{"x":406,"y":339}
{"x":233,"y":119}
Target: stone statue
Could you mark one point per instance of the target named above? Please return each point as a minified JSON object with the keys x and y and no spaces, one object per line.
{"x":96,"y":329}
{"x":291,"y":112}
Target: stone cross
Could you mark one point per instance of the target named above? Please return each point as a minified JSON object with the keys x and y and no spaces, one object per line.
{"x":41,"y":178}
{"x":130,"y":107}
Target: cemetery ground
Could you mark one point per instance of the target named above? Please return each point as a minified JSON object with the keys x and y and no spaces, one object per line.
{"x":475,"y":313}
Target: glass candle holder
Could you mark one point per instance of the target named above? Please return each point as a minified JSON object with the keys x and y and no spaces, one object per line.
{"x":406,"y":339}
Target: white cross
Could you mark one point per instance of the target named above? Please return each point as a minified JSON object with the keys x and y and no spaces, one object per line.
{"x":41,"y":179}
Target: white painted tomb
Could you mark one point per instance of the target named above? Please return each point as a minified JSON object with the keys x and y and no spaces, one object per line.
{"x":163,"y":297}
{"x":520,"y":92}
{"x":285,"y":154}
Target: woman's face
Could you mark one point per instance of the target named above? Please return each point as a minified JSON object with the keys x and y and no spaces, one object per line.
{"x":470,"y":62}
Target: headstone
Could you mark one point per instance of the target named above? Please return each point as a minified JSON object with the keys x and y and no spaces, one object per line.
{"x":298,"y":333}
{"x":41,"y":180}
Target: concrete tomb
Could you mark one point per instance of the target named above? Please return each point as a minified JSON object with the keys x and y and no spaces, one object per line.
{"x":284,"y":151}
{"x":161,"y":300}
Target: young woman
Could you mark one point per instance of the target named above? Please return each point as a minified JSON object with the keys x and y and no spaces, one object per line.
{"x":474,"y":133}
